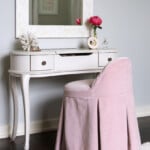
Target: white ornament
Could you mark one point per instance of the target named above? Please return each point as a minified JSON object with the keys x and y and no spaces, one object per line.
{"x":29,"y":42}
{"x":93,"y":42}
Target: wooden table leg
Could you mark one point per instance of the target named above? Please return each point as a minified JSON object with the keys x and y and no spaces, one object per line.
{"x":25,"y":92}
{"x":13,"y":91}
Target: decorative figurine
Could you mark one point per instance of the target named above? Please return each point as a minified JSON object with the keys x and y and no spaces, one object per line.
{"x":29,"y":42}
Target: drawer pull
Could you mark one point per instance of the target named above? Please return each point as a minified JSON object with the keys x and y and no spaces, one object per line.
{"x":43,"y":63}
{"x":109,"y":59}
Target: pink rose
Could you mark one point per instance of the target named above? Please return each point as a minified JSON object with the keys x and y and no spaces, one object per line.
{"x":78,"y":21}
{"x":95,"y":20}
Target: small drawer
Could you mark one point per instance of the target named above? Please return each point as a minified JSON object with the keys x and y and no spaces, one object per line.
{"x":42,"y":62}
{"x":77,"y":61}
{"x":105,"y":58}
{"x":20,"y":63}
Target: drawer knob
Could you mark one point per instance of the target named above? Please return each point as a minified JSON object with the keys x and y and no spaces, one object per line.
{"x":109,"y":59}
{"x":43,"y":63}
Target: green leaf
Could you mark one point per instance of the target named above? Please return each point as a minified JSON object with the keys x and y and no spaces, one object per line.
{"x":99,"y":27}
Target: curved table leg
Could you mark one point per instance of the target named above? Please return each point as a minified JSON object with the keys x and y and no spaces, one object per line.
{"x":13,"y":91}
{"x":25,"y":92}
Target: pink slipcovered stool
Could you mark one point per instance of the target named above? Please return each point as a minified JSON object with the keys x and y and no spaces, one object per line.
{"x":100,"y":114}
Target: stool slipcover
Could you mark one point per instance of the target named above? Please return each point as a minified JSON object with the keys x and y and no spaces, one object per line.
{"x":100,"y":114}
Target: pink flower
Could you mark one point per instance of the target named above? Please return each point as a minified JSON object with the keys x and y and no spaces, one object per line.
{"x":78,"y":21}
{"x":95,"y":20}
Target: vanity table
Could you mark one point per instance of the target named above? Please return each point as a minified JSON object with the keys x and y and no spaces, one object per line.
{"x":47,"y":63}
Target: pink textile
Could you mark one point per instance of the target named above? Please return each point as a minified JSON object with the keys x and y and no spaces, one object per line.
{"x":100,"y":114}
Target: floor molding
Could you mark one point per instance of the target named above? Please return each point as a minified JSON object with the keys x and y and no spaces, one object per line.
{"x":35,"y":127}
{"x":47,"y":125}
{"x":143,"y":111}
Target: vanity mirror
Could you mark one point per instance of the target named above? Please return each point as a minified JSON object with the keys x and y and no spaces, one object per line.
{"x":54,"y":12}
{"x":53,"y":18}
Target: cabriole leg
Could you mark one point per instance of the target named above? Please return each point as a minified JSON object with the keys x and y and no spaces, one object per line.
{"x":25,"y":92}
{"x":13,"y":91}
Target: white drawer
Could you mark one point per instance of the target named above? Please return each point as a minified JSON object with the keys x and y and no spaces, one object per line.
{"x":104,"y":58}
{"x":20,"y":63}
{"x":42,"y":62}
{"x":78,"y":61}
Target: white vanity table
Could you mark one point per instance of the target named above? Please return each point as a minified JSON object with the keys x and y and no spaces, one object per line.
{"x":47,"y":63}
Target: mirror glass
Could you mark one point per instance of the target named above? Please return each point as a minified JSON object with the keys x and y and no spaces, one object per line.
{"x":54,"y":12}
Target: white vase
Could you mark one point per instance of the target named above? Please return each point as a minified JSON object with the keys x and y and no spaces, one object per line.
{"x":93,"y":42}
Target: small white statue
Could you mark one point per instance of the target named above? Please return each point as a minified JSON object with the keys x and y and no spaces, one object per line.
{"x":105,"y":43}
{"x":29,"y":42}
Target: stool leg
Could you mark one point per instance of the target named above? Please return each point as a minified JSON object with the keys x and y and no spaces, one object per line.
{"x":25,"y":92}
{"x":13,"y":90}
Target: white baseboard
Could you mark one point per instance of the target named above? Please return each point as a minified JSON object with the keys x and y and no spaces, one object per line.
{"x":143,"y":111}
{"x":35,"y":127}
{"x":46,"y":125}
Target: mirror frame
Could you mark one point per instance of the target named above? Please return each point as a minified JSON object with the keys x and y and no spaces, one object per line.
{"x":51,"y":31}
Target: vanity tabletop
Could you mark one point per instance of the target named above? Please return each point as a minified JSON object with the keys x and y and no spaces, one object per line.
{"x":61,"y":51}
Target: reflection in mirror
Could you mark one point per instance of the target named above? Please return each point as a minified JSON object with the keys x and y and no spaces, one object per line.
{"x":55,"y":12}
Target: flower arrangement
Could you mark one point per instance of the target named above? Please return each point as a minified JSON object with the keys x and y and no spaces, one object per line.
{"x":29,"y":42}
{"x":96,"y":22}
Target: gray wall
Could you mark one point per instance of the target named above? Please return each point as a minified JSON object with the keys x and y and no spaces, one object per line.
{"x":126,"y":26}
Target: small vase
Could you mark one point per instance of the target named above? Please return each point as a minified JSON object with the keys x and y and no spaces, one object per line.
{"x":93,"y":42}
